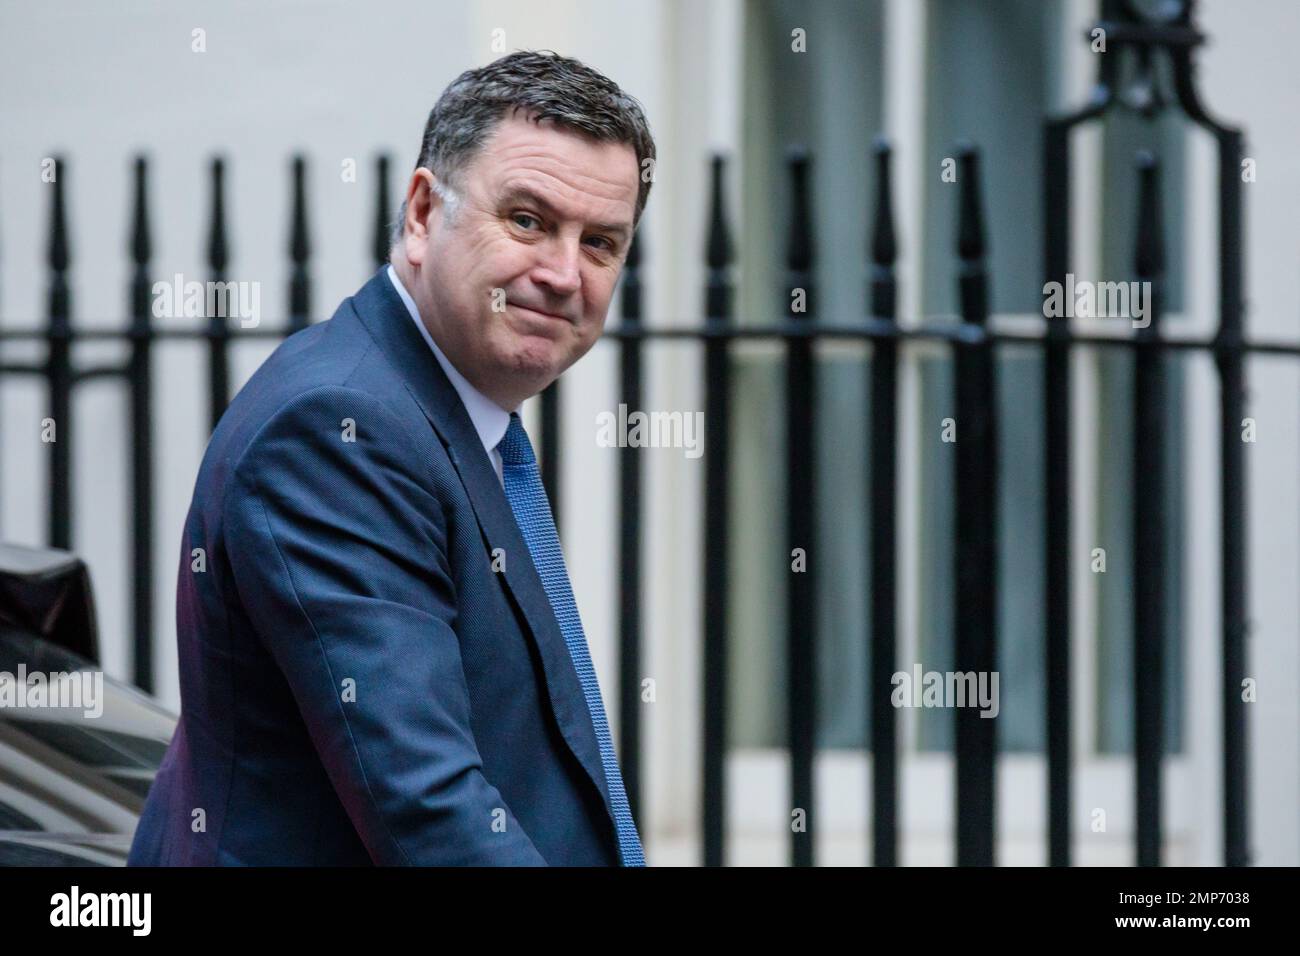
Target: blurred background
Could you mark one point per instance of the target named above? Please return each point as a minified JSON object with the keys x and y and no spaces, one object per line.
{"x":341,"y":84}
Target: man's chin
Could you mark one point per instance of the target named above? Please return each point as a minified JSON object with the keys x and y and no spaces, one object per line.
{"x":536,"y":362}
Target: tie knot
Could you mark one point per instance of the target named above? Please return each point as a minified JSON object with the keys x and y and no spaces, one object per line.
{"x":515,"y":447}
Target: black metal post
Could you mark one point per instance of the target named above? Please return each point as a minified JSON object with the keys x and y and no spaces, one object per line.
{"x":142,"y":495}
{"x":1149,"y":619}
{"x":1232,"y":501}
{"x":629,"y":550}
{"x":802,"y":556}
{"x":218,"y":329}
{"x":1229,"y":353}
{"x":550,"y":467}
{"x":717,"y":503}
{"x":381,"y":245}
{"x":299,"y":252}
{"x":58,"y":368}
{"x":882,"y":548}
{"x":976,"y":520}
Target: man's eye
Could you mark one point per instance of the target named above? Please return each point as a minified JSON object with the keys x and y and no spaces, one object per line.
{"x":605,"y":244}
{"x":527,"y":219}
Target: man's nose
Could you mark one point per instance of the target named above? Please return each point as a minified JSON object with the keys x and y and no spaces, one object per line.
{"x":558,"y":267}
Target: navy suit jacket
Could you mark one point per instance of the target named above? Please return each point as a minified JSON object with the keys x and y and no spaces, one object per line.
{"x":358,"y":684}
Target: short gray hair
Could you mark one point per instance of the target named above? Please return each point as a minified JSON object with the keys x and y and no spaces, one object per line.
{"x":546,"y":86}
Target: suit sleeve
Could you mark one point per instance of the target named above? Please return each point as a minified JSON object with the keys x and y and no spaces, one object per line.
{"x":339,"y":555}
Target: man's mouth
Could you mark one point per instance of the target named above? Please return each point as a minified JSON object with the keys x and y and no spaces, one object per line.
{"x":540,"y":312}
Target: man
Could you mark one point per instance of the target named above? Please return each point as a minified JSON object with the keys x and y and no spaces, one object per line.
{"x":380,"y":656}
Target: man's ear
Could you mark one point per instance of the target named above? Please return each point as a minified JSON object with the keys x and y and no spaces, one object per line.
{"x":420,"y":201}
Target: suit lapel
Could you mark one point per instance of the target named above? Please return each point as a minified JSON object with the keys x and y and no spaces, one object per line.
{"x":385,"y":317}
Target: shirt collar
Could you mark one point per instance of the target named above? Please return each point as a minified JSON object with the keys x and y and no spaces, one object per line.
{"x":490,"y":419}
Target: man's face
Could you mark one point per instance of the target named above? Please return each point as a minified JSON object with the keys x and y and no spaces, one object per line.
{"x":515,"y":279}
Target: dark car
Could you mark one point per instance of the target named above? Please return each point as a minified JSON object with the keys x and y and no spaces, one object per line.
{"x":74,"y":767}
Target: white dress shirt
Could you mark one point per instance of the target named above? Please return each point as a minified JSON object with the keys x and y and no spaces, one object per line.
{"x":490,"y":419}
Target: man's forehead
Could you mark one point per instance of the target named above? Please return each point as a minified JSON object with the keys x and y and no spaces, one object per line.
{"x":558,"y":162}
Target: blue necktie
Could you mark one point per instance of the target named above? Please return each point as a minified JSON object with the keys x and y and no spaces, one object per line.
{"x":523,"y":485}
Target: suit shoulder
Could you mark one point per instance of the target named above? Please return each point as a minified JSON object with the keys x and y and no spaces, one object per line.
{"x":327,"y":353}
{"x":326,"y":369}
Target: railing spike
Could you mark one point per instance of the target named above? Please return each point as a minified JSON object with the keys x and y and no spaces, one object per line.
{"x":799,"y":253}
{"x":57,"y":252}
{"x":141,"y":246}
{"x":720,"y":252}
{"x":299,"y":245}
{"x":971,"y":244}
{"x":383,"y":234}
{"x":884,"y":244}
{"x":1149,"y":247}
{"x":718,"y":247}
{"x":218,"y":242}
{"x":299,"y":250}
{"x":633,"y":260}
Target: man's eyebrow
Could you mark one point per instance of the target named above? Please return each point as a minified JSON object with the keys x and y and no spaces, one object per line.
{"x":525,"y":195}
